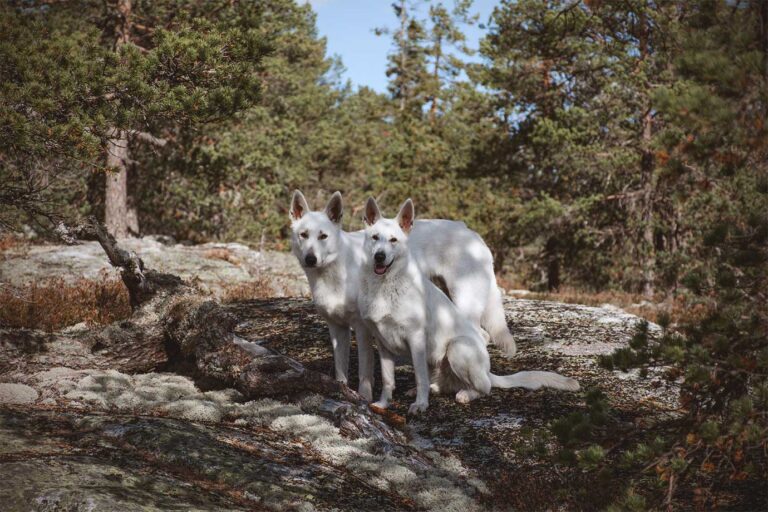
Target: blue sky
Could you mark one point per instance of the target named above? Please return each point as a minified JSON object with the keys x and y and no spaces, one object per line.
{"x":348,"y":27}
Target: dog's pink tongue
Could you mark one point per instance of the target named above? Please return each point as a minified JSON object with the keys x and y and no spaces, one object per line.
{"x":379,"y":268}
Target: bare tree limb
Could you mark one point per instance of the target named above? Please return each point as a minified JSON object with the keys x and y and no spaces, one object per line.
{"x":143,"y":136}
{"x":142,"y":284}
{"x":148,"y":137}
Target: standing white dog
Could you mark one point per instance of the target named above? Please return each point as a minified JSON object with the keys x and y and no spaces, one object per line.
{"x":444,"y":250}
{"x":408,"y":314}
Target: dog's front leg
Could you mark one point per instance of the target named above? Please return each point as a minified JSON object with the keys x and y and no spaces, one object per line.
{"x":365,"y":361}
{"x":418,"y":345}
{"x":340,"y":340}
{"x":387,"y":376}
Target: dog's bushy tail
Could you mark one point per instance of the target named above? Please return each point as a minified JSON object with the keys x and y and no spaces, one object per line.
{"x":495,"y":323}
{"x":534,"y":380}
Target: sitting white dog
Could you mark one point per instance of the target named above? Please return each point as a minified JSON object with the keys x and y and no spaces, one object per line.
{"x":408,"y":314}
{"x":444,"y":250}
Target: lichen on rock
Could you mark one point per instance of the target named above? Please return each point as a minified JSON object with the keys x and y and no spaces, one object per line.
{"x":14,"y":393}
{"x":165,"y":395}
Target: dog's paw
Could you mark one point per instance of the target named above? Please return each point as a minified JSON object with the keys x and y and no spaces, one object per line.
{"x":462,"y":397}
{"x":466,"y":395}
{"x":417,"y":408}
{"x":381,"y":404}
{"x":411,"y":393}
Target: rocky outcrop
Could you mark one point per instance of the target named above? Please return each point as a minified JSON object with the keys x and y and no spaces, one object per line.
{"x":161,"y":441}
{"x":212,"y":267}
{"x":195,"y":405}
{"x":505,"y":438}
{"x":108,"y":441}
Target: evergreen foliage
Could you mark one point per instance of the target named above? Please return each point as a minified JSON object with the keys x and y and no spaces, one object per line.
{"x":68,"y":87}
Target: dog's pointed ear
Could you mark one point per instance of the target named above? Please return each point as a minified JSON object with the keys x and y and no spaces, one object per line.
{"x":334,"y":209}
{"x":406,"y":215}
{"x":372,"y":213}
{"x":299,"y":205}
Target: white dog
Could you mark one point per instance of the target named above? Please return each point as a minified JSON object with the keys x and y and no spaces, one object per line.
{"x":408,"y":314}
{"x":333,"y":259}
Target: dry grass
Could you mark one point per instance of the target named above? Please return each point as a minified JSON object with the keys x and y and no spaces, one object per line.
{"x":10,"y":241}
{"x":675,"y":309}
{"x":54,"y":304}
{"x":631,"y":303}
{"x":258,"y":289}
{"x":222,"y":254}
{"x":510,"y":281}
{"x":574,"y":296}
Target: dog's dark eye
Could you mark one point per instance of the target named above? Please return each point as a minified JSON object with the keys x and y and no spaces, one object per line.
{"x":322,"y":236}
{"x":393,"y":240}
{"x":375,"y":237}
{"x":304,"y":235}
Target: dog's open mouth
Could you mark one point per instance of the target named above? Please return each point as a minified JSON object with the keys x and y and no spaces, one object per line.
{"x":380,"y":268}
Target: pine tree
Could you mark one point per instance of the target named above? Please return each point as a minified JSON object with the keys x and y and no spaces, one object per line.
{"x":407,"y":69}
{"x":228,"y":179}
{"x":445,"y":37}
{"x":573,"y":85}
{"x":713,"y":145}
{"x":165,"y":65}
{"x":47,"y":110}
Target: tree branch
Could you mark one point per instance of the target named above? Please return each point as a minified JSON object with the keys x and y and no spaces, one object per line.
{"x":144,"y":136}
{"x":148,"y":137}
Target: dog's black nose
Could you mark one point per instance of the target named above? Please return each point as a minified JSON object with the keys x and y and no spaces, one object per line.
{"x":310,"y":260}
{"x":379,"y":257}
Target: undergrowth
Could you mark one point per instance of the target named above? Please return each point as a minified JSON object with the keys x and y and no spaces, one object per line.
{"x":712,"y":456}
{"x":259,"y":288}
{"x":53,"y":304}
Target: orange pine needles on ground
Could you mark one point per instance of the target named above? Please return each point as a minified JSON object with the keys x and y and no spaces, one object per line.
{"x":53,"y":304}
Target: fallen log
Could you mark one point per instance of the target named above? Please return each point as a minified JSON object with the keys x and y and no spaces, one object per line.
{"x":172,"y":325}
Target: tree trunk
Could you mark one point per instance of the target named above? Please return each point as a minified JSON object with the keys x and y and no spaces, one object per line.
{"x":403,"y":35}
{"x":116,"y":199}
{"x":649,"y":247}
{"x":647,"y":166}
{"x":133,"y":214}
{"x":553,"y":265}
{"x":436,"y":76}
{"x":763,"y":29}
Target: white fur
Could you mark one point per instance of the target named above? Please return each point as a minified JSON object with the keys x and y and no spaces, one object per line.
{"x":445,"y":250}
{"x":408,"y":314}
